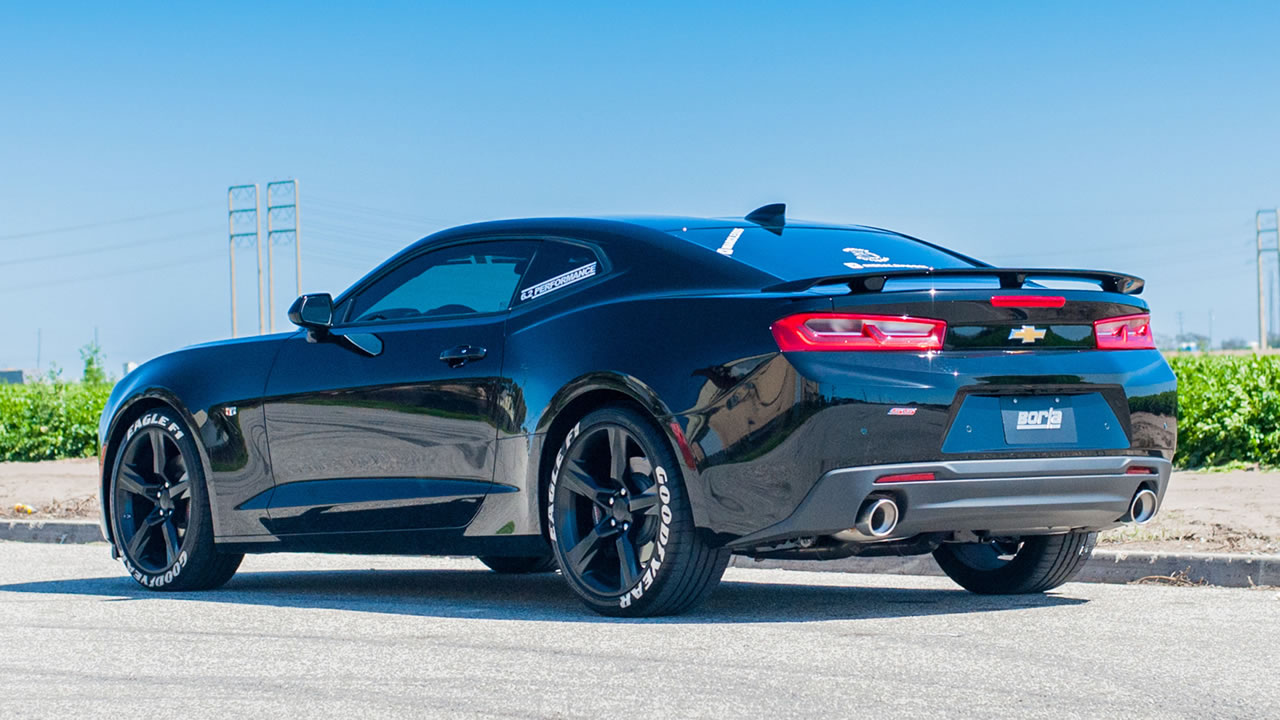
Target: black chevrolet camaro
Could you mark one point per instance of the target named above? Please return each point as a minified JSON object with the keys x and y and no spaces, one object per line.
{"x":632,"y":401}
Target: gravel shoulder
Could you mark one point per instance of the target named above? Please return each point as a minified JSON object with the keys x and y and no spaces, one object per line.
{"x":1235,"y":511}
{"x":55,"y":488}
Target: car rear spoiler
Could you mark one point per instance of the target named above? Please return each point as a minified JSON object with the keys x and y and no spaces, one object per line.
{"x":1010,"y":278}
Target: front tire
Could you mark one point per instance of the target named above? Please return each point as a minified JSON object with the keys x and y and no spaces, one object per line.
{"x":1032,"y":564}
{"x":620,"y":521}
{"x":160,"y":514}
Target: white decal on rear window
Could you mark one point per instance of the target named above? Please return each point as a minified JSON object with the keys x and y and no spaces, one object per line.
{"x":729,"y":242}
{"x":558,"y":282}
{"x":866,"y":255}
{"x":874,"y":260}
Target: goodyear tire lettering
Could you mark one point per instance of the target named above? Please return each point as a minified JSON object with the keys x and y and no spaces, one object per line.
{"x":660,"y":547}
{"x":155,"y":581}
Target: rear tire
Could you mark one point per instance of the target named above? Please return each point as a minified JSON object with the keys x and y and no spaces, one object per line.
{"x":520,"y":565}
{"x":1040,"y":563}
{"x":161,"y":522}
{"x":620,"y":522}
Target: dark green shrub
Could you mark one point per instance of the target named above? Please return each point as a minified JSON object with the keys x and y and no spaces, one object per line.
{"x":1228,"y":409}
{"x":50,"y":419}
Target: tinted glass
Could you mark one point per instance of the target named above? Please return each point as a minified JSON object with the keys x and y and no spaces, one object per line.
{"x":811,"y":252}
{"x":557,"y":266}
{"x":460,"y":280}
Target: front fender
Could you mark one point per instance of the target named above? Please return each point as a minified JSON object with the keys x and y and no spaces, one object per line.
{"x":217,"y":390}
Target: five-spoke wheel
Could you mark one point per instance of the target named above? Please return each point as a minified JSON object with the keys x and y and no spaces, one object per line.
{"x":621,"y":524}
{"x":161,"y":522}
{"x":152,"y":499}
{"x":611,"y":518}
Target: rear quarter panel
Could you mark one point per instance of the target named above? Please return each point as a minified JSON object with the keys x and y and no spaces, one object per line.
{"x":674,"y":355}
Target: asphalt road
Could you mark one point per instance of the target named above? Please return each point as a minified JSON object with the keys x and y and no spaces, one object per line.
{"x":344,"y":636}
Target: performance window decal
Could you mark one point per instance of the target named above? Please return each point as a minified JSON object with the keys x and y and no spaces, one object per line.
{"x":558,"y":282}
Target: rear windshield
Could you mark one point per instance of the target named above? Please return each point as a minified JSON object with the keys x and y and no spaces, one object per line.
{"x":812,"y":252}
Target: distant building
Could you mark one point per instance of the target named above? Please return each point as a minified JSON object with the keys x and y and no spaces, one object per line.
{"x":11,"y":377}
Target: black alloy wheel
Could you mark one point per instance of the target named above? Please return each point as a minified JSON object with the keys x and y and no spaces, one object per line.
{"x":622,"y":528}
{"x":161,"y":522}
{"x":152,"y":500}
{"x":610,"y":523}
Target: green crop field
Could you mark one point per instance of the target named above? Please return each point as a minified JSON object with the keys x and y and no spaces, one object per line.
{"x":1228,"y":409}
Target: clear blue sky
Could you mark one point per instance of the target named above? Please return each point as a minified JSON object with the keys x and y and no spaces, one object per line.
{"x":1138,"y":138}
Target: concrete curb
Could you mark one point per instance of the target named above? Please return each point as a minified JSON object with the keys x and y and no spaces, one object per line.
{"x":51,"y":531}
{"x":1106,"y":566}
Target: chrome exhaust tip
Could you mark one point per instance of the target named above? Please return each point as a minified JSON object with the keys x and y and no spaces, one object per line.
{"x":1143,"y":507}
{"x":877,"y":518}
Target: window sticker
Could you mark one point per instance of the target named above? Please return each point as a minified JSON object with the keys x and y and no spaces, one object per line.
{"x":729,"y":242}
{"x":868,"y":259}
{"x":558,"y":282}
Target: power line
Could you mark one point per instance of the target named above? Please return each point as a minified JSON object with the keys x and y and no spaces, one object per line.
{"x":341,"y":217}
{"x":102,"y":223}
{"x":105,"y":248}
{"x":100,"y":275}
{"x":376,"y":211}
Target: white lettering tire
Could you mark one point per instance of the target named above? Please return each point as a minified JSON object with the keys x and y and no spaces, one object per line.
{"x":158,"y":505}
{"x":620,"y":523}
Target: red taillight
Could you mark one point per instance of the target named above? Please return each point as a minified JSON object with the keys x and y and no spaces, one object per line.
{"x":1028,"y":301}
{"x":1129,"y":332}
{"x":906,"y":477}
{"x":843,"y":331}
{"x":1138,"y":470}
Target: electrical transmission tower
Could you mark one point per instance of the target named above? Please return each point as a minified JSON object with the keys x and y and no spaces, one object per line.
{"x":244,"y":229}
{"x":1263,"y":230}
{"x":282,"y":228}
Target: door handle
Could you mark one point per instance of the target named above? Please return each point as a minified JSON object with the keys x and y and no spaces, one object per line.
{"x":460,"y":355}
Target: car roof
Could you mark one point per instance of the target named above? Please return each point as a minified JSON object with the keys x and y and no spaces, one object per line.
{"x":674,"y":241}
{"x":662,"y":230}
{"x":674,"y":223}
{"x":664,"y":224}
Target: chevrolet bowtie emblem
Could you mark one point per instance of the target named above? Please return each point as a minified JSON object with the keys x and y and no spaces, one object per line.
{"x":1028,"y":334}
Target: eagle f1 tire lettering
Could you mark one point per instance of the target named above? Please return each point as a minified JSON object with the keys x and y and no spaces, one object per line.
{"x":154,"y":419}
{"x":555,"y":475}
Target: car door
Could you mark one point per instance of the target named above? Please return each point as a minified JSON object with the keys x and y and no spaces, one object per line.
{"x":404,"y":438}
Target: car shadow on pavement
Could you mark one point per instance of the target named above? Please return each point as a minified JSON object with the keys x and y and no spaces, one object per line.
{"x":487,"y":595}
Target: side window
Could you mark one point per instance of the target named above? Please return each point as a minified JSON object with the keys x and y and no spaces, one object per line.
{"x":556,"y":266}
{"x":461,"y":280}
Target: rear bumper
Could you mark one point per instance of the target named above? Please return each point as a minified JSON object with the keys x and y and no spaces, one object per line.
{"x":1003,"y":496}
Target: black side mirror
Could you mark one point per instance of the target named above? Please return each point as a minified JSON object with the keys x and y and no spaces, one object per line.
{"x":313,"y":312}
